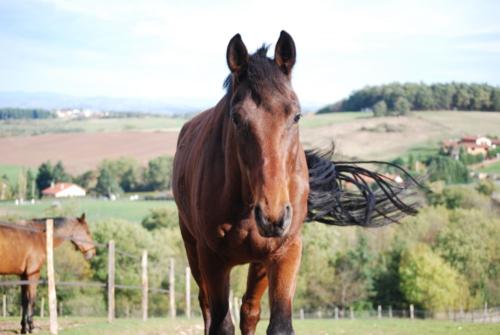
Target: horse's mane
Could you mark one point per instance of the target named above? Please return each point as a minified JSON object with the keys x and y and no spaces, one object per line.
{"x":344,"y":193}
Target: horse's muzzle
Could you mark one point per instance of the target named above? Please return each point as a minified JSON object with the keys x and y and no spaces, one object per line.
{"x":278,"y":228}
{"x":90,"y":253}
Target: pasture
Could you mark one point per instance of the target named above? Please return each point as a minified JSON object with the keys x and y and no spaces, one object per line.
{"x":164,"y":326}
{"x":96,"y":209}
{"x":82,"y":144}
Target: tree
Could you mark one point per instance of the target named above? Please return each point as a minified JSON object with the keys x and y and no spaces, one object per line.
{"x":430,"y":283}
{"x":158,"y":174}
{"x":44,"y":177}
{"x":380,"y":108}
{"x":107,"y":185}
{"x":59,"y":174}
{"x":447,"y":169}
{"x":402,"y":106}
{"x":160,"y":218}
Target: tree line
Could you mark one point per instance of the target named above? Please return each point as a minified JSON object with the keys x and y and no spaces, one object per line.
{"x":110,"y":178}
{"x":24,"y":113}
{"x":399,"y":98}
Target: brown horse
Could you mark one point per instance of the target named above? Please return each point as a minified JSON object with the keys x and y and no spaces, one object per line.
{"x":23,"y":252}
{"x":244,"y":185}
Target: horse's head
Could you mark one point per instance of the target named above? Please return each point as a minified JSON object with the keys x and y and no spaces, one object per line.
{"x":264,"y":112}
{"x":81,"y":237}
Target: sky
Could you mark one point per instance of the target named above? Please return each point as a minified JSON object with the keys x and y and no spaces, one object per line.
{"x":175,"y":50}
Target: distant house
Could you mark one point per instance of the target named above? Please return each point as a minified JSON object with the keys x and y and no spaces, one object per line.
{"x":473,"y":145}
{"x":64,"y":190}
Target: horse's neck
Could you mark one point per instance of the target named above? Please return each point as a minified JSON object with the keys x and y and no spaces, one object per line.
{"x":62,"y":232}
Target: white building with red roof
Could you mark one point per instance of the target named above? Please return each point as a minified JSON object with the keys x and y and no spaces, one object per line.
{"x":64,"y":190}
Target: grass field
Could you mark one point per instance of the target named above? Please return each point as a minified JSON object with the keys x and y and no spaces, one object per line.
{"x":356,"y":134}
{"x":96,"y":209}
{"x":46,"y":126}
{"x":11,"y":172}
{"x":492,"y":168}
{"x":96,"y":326}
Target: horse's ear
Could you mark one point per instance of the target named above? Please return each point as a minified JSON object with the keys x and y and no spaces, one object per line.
{"x":82,"y":218}
{"x":284,"y":54}
{"x":237,"y":55}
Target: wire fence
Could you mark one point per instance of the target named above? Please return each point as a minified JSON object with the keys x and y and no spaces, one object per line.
{"x":172,"y":298}
{"x":109,"y":285}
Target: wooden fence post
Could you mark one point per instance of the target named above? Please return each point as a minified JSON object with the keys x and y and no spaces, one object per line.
{"x":171,"y":288}
{"x":111,"y":280}
{"x":188,"y":292}
{"x":336,"y":313}
{"x":42,"y":308}
{"x":60,"y":313}
{"x":412,"y":311}
{"x":485,"y":312}
{"x":390,"y":312}
{"x":144,"y":285}
{"x":351,"y":313}
{"x":50,"y":276}
{"x":379,"y":311}
{"x":4,"y":306}
{"x":302,"y":314}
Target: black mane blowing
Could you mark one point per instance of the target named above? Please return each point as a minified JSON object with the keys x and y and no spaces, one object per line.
{"x":341,"y":193}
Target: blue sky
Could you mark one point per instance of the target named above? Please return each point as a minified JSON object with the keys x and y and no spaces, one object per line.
{"x":175,"y":50}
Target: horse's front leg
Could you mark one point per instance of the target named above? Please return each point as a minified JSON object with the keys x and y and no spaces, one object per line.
{"x":31,"y":299}
{"x":250,"y":308}
{"x":215,"y":272}
{"x":24,"y":305}
{"x":282,"y":273}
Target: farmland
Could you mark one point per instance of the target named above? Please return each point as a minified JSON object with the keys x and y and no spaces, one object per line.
{"x":84,"y":143}
{"x":95,"y":326}
{"x":124,"y":209}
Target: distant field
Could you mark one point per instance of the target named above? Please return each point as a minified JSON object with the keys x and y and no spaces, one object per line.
{"x":355,"y":134}
{"x":50,"y":126}
{"x":133,"y":211}
{"x":492,"y":168}
{"x":83,"y":151}
{"x":156,"y":326}
{"x":11,"y":171}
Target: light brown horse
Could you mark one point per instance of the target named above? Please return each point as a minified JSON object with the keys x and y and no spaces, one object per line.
{"x":23,"y":253}
{"x":244,"y":185}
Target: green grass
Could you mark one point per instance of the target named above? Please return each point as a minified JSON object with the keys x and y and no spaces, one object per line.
{"x":95,"y":209}
{"x":492,"y":168}
{"x":11,"y":171}
{"x":76,"y":326}
{"x":46,"y":126}
{"x":324,"y":120}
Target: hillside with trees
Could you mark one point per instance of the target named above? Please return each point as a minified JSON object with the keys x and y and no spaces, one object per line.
{"x":399,"y":99}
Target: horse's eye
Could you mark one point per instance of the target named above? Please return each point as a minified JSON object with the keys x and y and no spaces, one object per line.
{"x":236,"y":118}
{"x":297,"y":117}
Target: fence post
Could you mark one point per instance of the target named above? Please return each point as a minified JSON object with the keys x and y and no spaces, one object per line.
{"x":188,"y":292}
{"x":379,"y":311}
{"x":111,"y":281}
{"x":390,"y":312}
{"x":4,"y":306}
{"x":60,"y":309}
{"x":351,"y":313}
{"x":485,"y":312}
{"x":336,"y":313}
{"x":50,"y":276}
{"x":412,"y":310}
{"x":302,"y":314}
{"x":171,"y":288}
{"x":42,"y":308}
{"x":144,"y":264}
